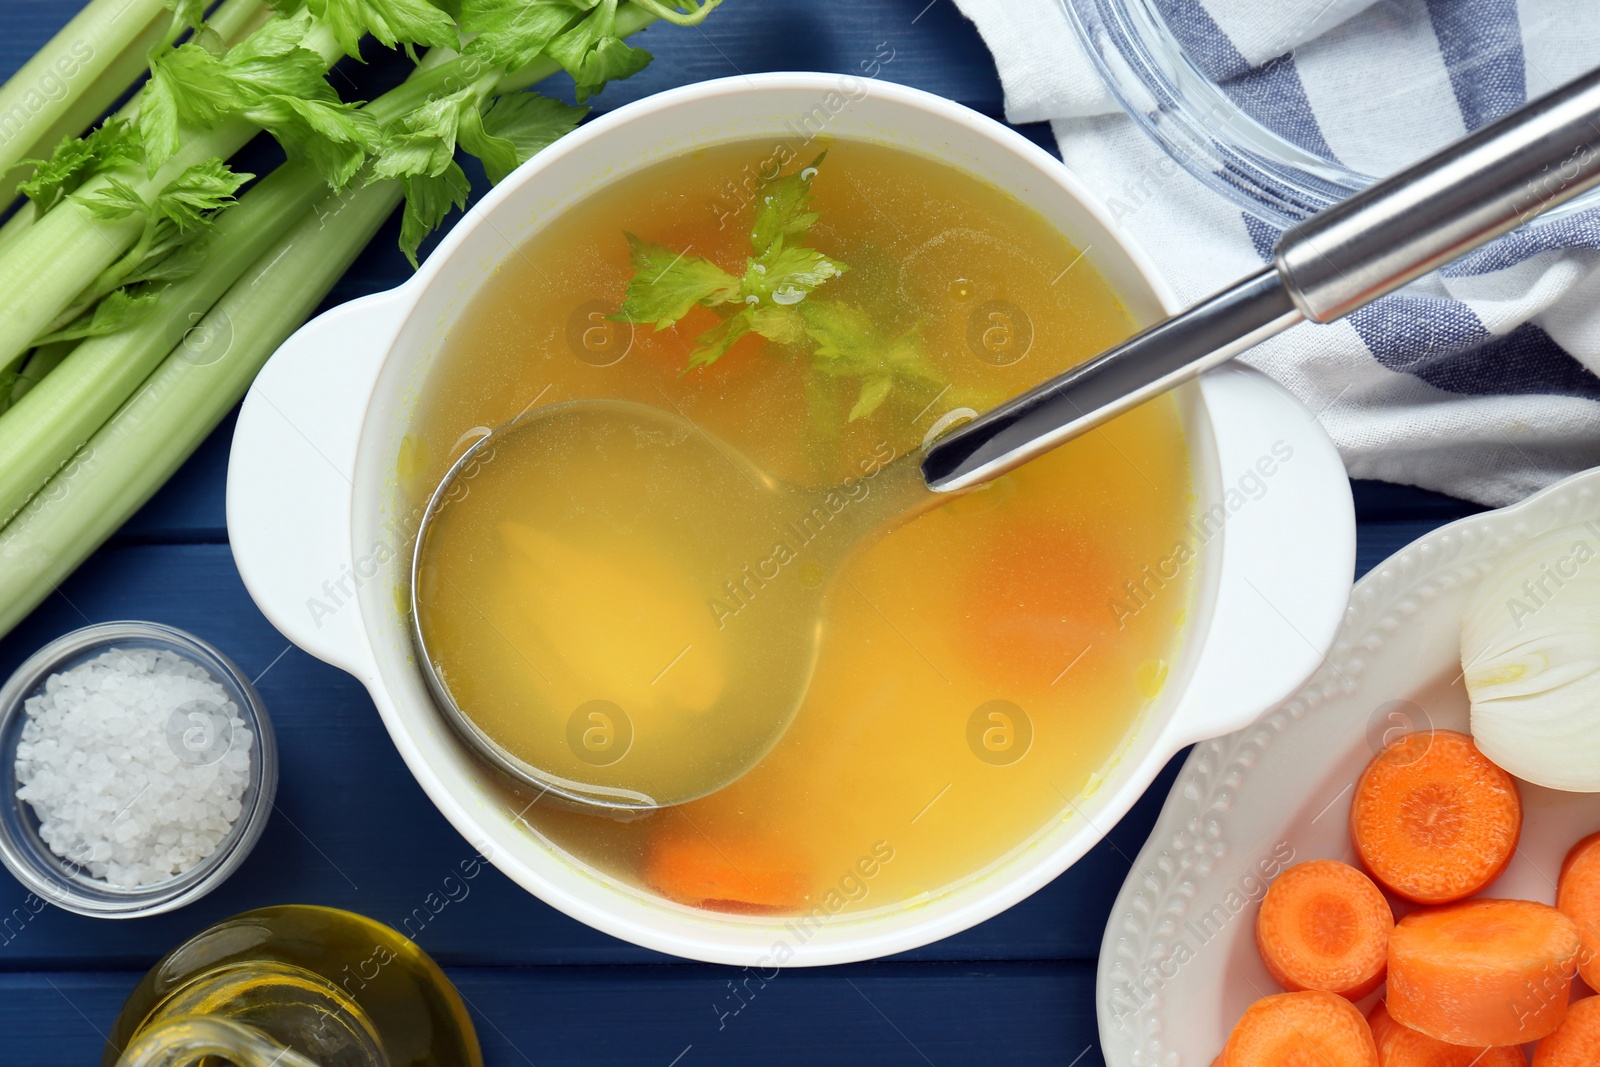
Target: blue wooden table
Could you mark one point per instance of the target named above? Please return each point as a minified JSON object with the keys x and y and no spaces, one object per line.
{"x":353,"y":830}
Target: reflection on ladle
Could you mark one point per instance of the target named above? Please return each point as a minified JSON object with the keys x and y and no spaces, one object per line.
{"x":628,"y":530}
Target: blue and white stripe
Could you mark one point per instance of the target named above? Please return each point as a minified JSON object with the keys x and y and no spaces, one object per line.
{"x":1480,"y":380}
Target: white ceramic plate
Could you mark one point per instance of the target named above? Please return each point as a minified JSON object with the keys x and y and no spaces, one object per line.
{"x":1178,"y":965}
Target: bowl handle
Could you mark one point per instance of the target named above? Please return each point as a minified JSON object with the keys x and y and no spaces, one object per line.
{"x":291,"y":477}
{"x":1286,"y":522}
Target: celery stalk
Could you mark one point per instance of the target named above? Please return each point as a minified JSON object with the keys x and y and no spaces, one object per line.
{"x":123,"y":464}
{"x":232,"y":21}
{"x":84,"y":59}
{"x":79,"y":113}
{"x":44,"y":359}
{"x":50,"y":420}
{"x":45,"y":265}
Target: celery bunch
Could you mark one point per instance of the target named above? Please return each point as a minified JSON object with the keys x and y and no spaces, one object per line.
{"x":138,"y":234}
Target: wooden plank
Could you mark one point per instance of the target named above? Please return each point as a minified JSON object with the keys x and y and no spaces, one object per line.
{"x":889,"y":1014}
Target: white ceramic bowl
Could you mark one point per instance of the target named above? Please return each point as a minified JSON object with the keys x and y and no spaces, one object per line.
{"x":1179,"y":965}
{"x":312,"y":506}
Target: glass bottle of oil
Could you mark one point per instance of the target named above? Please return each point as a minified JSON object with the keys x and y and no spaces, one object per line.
{"x":294,"y":986}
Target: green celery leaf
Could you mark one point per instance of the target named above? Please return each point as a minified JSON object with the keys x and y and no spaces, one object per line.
{"x":611,"y":59}
{"x":423,"y":143}
{"x":268,"y":78}
{"x":850,"y":345}
{"x":513,"y":33}
{"x":593,"y":54}
{"x":392,"y":22}
{"x":191,"y":198}
{"x":115,"y":143}
{"x":65,"y":170}
{"x":187,"y":14}
{"x":187,"y":85}
{"x":335,"y":138}
{"x":874,"y":391}
{"x":715,"y":342}
{"x":158,"y":114}
{"x":498,"y":155}
{"x":278,"y":64}
{"x":406,"y":154}
{"x":785,"y":209}
{"x":787,"y":275}
{"x":276,"y":37}
{"x":117,"y":310}
{"x":173,"y":256}
{"x":429,"y":199}
{"x":666,"y":284}
{"x":118,"y":200}
{"x":779,"y":324}
{"x":527,"y":122}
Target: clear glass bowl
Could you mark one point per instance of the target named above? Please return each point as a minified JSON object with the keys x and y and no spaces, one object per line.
{"x":66,"y":884}
{"x":1408,"y":87}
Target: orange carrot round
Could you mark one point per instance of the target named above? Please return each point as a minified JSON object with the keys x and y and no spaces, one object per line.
{"x":724,"y":875}
{"x":1576,"y":1042}
{"x":1433,"y":819}
{"x":1306,"y":1029}
{"x":1381,"y":1023}
{"x":1578,"y":897}
{"x":1401,"y":1046}
{"x":1324,"y":925}
{"x":1482,"y":972}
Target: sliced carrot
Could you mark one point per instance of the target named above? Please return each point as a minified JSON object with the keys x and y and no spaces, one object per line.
{"x":1433,"y":819}
{"x":1381,"y":1022}
{"x":1578,"y":897}
{"x":722,"y":875}
{"x":1576,"y":1042}
{"x":1482,"y":972}
{"x":1324,"y":925}
{"x":1401,"y":1046}
{"x":1306,"y":1029}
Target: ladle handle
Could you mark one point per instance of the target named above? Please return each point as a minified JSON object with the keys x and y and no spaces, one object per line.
{"x":1482,"y":186}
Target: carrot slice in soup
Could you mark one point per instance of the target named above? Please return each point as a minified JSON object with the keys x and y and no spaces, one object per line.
{"x":724,"y":875}
{"x":1401,"y":1046}
{"x":1578,"y":897}
{"x":1576,"y":1042}
{"x":1433,"y":819}
{"x":1324,"y":925}
{"x":1306,"y":1029}
{"x":1482,"y":972}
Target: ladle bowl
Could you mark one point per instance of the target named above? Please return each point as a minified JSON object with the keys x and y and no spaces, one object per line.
{"x":713,"y":567}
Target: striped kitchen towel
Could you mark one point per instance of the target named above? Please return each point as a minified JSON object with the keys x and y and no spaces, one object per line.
{"x":1479,"y":381}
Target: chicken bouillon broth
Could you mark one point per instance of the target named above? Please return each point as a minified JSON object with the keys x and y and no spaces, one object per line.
{"x":815,"y":315}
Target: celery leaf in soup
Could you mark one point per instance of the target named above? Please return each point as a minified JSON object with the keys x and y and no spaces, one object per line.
{"x":667,"y":284}
{"x":785,"y":208}
{"x":777,"y":298}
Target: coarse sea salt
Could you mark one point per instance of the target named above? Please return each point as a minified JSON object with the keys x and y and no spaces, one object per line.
{"x":135,"y":763}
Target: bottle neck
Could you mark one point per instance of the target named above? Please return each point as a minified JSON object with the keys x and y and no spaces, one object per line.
{"x":189,"y":1041}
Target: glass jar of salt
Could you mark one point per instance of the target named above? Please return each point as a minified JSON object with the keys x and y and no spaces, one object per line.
{"x":138,"y":769}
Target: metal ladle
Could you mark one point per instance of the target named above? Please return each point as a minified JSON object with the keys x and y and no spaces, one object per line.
{"x":1483,"y":186}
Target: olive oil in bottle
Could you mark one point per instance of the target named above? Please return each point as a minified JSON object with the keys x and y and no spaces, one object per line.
{"x":294,"y":986}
